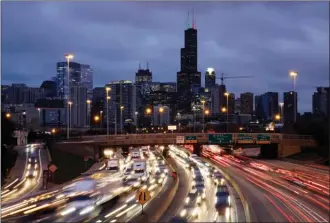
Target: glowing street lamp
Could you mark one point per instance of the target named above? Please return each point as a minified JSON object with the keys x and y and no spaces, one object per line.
{"x":227,"y":95}
{"x":203,"y":102}
{"x":8,"y":115}
{"x":96,"y":118}
{"x":121,"y":118}
{"x":277,"y":117}
{"x":107,"y":89}
{"x":223,"y":109}
{"x":294,"y":75}
{"x":68,"y":58}
{"x":281,"y":110}
{"x":70,"y":105}
{"x":148,"y":111}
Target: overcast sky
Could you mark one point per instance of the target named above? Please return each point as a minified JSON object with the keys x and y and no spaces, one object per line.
{"x":264,"y":40}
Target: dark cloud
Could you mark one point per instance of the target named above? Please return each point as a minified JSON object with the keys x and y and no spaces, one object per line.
{"x":263,"y":40}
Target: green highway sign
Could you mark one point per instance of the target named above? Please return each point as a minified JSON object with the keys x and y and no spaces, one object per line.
{"x":220,"y":138}
{"x":263,"y":139}
{"x":244,"y":139}
{"x":190,"y":139}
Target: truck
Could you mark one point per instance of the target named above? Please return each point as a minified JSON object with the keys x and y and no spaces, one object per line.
{"x":113,"y":165}
{"x":135,"y":154}
{"x":140,"y":169}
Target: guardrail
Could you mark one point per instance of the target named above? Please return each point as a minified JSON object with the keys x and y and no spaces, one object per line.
{"x":171,"y":137}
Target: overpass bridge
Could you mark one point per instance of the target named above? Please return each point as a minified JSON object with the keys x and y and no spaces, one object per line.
{"x":284,"y":144}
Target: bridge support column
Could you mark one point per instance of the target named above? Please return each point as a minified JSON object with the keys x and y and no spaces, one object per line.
{"x":197,"y":149}
{"x":287,"y":150}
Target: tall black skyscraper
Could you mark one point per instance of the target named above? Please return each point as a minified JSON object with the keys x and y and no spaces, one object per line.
{"x":188,"y":79}
{"x":320,"y":100}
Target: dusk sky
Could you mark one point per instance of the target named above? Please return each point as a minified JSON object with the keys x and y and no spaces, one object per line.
{"x":264,"y":40}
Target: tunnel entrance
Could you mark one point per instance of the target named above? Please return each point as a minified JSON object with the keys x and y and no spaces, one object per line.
{"x":269,"y":151}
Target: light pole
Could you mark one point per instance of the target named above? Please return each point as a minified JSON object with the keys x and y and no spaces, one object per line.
{"x":294,"y":74}
{"x":101,"y":115}
{"x":203,"y":102}
{"x":194,"y":118}
{"x":136,"y":121}
{"x":107,"y":89}
{"x":161,"y":110}
{"x":227,"y":95}
{"x":207,"y":112}
{"x":179,"y":117}
{"x":68,"y":58}
{"x":281,"y":111}
{"x":70,"y":104}
{"x":89,"y":113}
{"x":39,"y":115}
{"x":121,"y":119}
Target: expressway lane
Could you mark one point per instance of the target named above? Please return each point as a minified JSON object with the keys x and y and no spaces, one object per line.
{"x":30,"y":179}
{"x":282,"y":201}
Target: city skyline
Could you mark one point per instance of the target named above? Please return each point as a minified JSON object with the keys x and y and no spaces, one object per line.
{"x":253,"y":48}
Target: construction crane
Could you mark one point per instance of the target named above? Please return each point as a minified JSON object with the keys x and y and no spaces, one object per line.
{"x":222,"y":78}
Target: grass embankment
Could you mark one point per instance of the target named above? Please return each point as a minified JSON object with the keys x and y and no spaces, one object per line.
{"x":69,"y":166}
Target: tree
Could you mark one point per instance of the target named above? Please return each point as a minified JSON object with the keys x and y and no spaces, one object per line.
{"x":8,"y":155}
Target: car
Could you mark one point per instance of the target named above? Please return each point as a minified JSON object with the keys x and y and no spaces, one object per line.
{"x":191,"y":198}
{"x":190,"y":211}
{"x":218,"y":179}
{"x":31,"y":173}
{"x":131,"y":182}
{"x":199,"y":188}
{"x":32,"y":160}
{"x":222,"y":199}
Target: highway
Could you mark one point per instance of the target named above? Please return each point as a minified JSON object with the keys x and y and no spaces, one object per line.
{"x":276,"y":193}
{"x":31,"y":177}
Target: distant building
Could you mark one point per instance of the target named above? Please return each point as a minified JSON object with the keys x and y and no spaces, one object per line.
{"x":237,"y":105}
{"x":246,"y":103}
{"x":16,"y":93}
{"x":290,"y":106}
{"x":62,"y":77}
{"x":78,"y":95}
{"x":32,"y":94}
{"x":5,"y":93}
{"x":321,"y":101}
{"x":87,"y":79}
{"x":209,"y":79}
{"x":161,"y":115}
{"x":123,"y":95}
{"x":143,"y":76}
{"x":52,"y":112}
{"x":49,"y":89}
{"x":266,"y":106}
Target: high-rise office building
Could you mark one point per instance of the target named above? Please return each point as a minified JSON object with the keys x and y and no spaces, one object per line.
{"x":231,"y":103}
{"x":78,"y":97}
{"x":87,"y":78}
{"x":188,"y":79}
{"x":49,"y":89}
{"x":321,"y":101}
{"x":237,"y":105}
{"x":143,"y":76}
{"x":16,"y":93}
{"x":215,"y":99}
{"x":290,"y":106}
{"x":62,"y":77}
{"x":266,"y":106}
{"x":209,"y":79}
{"x":122,"y":105}
{"x":5,"y":93}
{"x":32,"y":94}
{"x":161,"y":115}
{"x":246,"y":103}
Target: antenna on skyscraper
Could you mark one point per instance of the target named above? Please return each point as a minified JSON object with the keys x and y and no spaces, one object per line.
{"x":139,"y":66}
{"x":193,"y":19}
{"x":188,"y":24}
{"x":147,"y":66}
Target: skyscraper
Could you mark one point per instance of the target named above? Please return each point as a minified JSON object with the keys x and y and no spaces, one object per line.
{"x":290,"y":106}
{"x":321,"y":101}
{"x":62,"y":77}
{"x":143,"y":75}
{"x":87,"y":78}
{"x":209,"y":79}
{"x":122,"y":102}
{"x":78,"y":96}
{"x":188,"y":79}
{"x":266,"y":105}
{"x":246,"y":103}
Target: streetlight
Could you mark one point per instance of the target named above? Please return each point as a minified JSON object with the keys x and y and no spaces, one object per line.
{"x":8,"y":115}
{"x":294,"y":75}
{"x":148,"y":111}
{"x":207,"y":112}
{"x":136,"y":124}
{"x":179,"y":117}
{"x":281,"y":110}
{"x":121,"y":118}
{"x":277,"y":117}
{"x":227,"y":95}
{"x":223,"y":109}
{"x":194,"y":118}
{"x":69,"y":121}
{"x":203,"y":102}
{"x":101,"y":114}
{"x":107,"y":89}
{"x":68,"y":58}
{"x":89,"y":112}
{"x":53,"y":131}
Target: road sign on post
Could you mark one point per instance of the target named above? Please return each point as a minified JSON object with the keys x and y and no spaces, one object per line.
{"x":244,"y":139}
{"x":263,"y":139}
{"x":52,"y":168}
{"x":190,"y":139}
{"x":143,"y":196}
{"x":180,"y":140}
{"x":220,"y":138}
